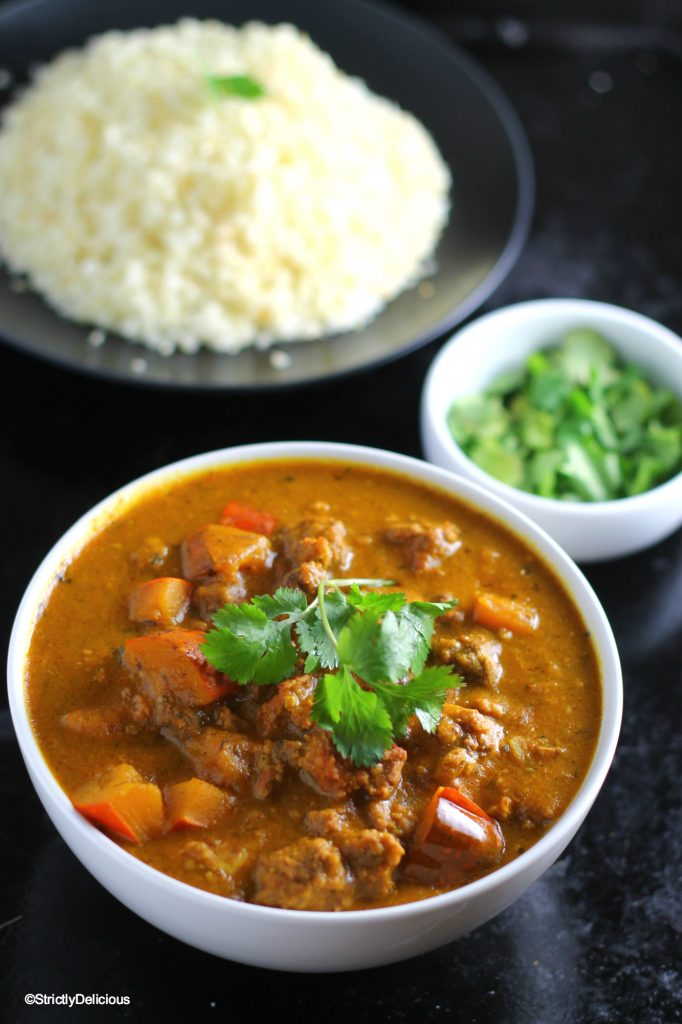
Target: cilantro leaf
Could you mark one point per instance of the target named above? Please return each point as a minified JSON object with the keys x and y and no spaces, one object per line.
{"x":248,"y":645}
{"x":420,"y":617}
{"x":235,"y":85}
{"x":422,"y":696}
{"x":373,"y":603}
{"x":313,"y":638}
{"x":391,"y":648}
{"x":360,"y":725}
{"x":359,"y":647}
{"x":285,"y":601}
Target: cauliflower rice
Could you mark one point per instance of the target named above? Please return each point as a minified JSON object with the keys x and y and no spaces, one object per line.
{"x":135,"y":199}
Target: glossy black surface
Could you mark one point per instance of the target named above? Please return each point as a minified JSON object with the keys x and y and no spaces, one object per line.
{"x":599,"y":938}
{"x":474,"y":126}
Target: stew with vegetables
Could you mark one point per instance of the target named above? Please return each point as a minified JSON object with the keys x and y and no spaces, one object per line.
{"x":313,"y":686}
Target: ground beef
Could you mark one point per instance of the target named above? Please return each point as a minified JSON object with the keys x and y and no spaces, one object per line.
{"x":323,"y":768}
{"x":454,"y":765}
{"x":209,"y":597}
{"x":219,"y":865}
{"x":476,"y":654}
{"x":468,"y":727}
{"x":396,"y":814}
{"x":270,"y":764}
{"x":371,"y":854}
{"x":308,"y":875}
{"x":288,"y":711}
{"x":314,"y":549}
{"x":425,"y":546}
{"x":223,"y":758}
{"x":372,"y":857}
{"x":331,"y":821}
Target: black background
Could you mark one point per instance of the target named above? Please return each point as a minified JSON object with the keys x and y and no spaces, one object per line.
{"x":599,"y":937}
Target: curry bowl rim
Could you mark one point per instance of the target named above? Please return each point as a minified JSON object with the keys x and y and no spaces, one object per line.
{"x":120,"y":862}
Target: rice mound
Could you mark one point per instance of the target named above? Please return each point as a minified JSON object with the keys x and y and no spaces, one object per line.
{"x":136,"y":199}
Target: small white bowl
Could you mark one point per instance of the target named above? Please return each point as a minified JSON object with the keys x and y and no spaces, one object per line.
{"x":305,"y":940}
{"x":499,"y":341}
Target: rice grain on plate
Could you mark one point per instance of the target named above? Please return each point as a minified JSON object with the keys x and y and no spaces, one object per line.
{"x":136,"y":199}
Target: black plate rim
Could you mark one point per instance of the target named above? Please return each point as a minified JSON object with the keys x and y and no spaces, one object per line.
{"x":525,"y":174}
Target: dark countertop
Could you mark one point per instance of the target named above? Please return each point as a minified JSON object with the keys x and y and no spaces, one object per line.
{"x":599,"y":937}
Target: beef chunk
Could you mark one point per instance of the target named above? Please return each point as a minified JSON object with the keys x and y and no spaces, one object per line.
{"x":224,"y":551}
{"x":396,"y":814}
{"x":217,"y":865}
{"x":476,"y":654}
{"x":315,"y":549}
{"x":383,"y":778}
{"x":161,"y":711}
{"x":271,"y":761}
{"x":372,"y":857}
{"x":308,"y":875}
{"x":226,"y":719}
{"x":212,"y":595}
{"x":426,"y":547}
{"x":331,"y":821}
{"x":371,"y":854}
{"x":479,"y":732}
{"x":457,"y":763}
{"x":223,"y":758}
{"x":323,"y":768}
{"x":288,"y":712}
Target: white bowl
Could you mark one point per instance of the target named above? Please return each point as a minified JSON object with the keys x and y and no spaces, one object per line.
{"x":589,"y":531}
{"x":303,"y":940}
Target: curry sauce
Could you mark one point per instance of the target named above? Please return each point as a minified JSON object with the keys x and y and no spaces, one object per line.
{"x":294,"y":824}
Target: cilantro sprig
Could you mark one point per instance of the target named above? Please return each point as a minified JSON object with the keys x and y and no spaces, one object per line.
{"x":235,"y":85}
{"x":372,"y":649}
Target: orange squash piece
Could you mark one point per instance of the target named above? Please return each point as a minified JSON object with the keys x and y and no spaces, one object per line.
{"x":121,"y":801}
{"x":173,"y":663}
{"x":243,"y":517}
{"x":224,"y":551}
{"x":194,"y":804}
{"x":503,"y":613}
{"x":164,"y":601}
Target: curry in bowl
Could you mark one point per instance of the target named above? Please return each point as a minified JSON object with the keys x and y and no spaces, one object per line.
{"x":313,"y":685}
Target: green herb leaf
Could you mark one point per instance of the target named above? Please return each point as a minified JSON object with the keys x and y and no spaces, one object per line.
{"x":313,"y":637}
{"x":421,"y":617}
{"x":359,"y":722}
{"x":284,"y":601}
{"x":422,"y":696}
{"x":575,"y":422}
{"x":374,"y":604}
{"x":249,"y":645}
{"x":235,"y":85}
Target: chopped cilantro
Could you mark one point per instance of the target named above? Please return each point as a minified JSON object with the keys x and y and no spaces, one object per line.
{"x":235,"y":85}
{"x":574,"y":422}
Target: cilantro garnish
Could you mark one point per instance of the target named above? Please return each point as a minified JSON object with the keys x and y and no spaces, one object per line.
{"x":575,"y":422}
{"x":235,"y":85}
{"x":373,"y":646}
